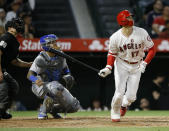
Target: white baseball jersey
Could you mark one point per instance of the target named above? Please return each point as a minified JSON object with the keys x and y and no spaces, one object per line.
{"x":130,"y":48}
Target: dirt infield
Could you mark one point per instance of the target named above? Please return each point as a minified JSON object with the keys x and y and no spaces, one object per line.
{"x":86,"y":122}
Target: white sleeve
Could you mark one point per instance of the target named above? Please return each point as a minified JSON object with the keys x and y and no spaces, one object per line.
{"x":147,"y":40}
{"x":113,"y":49}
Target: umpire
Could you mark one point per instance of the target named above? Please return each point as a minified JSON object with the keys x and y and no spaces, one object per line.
{"x":9,"y":49}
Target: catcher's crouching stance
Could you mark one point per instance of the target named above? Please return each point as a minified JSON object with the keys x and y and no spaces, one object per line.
{"x":47,"y":73}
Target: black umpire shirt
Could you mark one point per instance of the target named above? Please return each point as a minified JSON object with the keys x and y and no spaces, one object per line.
{"x":10,"y":48}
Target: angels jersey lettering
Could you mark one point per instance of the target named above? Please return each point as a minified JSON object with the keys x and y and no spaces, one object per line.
{"x":130,"y":48}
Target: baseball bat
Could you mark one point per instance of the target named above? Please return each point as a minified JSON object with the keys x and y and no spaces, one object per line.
{"x":62,"y":54}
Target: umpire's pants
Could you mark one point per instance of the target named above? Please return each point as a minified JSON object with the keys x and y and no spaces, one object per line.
{"x":8,"y":91}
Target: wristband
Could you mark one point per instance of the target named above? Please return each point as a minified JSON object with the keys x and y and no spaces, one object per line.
{"x":33,"y":78}
{"x":144,"y":63}
{"x":109,"y":67}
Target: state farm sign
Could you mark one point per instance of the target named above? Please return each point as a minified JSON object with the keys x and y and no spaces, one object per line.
{"x":84,"y":45}
{"x":64,"y":45}
{"x":29,"y":45}
{"x":163,"y":46}
{"x":34,"y":45}
{"x":97,"y":45}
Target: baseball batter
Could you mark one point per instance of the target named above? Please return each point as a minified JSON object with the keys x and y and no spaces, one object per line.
{"x":51,"y":78}
{"x":126,"y":53}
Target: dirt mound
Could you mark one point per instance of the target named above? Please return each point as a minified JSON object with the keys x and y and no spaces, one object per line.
{"x":137,"y":121}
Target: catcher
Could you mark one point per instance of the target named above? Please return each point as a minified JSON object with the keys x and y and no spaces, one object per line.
{"x":51,"y":79}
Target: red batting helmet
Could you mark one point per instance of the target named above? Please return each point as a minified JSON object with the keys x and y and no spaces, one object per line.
{"x":121,"y":18}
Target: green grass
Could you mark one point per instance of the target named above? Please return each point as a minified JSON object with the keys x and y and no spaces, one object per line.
{"x":91,"y":113}
{"x":94,"y":113}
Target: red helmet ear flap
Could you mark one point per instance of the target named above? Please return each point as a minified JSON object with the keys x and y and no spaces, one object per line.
{"x":122,"y":18}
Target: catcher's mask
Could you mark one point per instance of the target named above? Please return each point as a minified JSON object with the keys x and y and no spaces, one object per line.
{"x":16,"y":23}
{"x":46,"y":40}
{"x":122,"y":18}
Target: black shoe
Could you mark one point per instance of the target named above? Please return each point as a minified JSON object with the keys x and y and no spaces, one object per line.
{"x":6,"y":116}
{"x":56,"y":115}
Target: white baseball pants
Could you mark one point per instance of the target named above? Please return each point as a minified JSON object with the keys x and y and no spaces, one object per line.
{"x":127,"y":77}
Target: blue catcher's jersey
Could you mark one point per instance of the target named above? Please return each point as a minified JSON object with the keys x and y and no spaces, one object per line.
{"x":49,"y":68}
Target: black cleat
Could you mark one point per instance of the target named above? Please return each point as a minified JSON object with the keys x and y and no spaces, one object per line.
{"x":56,"y":115}
{"x":6,"y":116}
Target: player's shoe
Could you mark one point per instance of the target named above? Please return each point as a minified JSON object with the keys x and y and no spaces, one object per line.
{"x":42,"y":116}
{"x":56,"y":115}
{"x":54,"y":112}
{"x":6,"y":115}
{"x":123,"y":111}
{"x":115,"y":117}
{"x":115,"y":120}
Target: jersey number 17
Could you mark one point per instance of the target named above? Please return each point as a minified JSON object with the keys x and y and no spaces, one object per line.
{"x":134,"y":53}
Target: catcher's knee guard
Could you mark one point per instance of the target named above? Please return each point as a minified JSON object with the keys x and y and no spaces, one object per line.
{"x":70,"y":103}
{"x":39,"y":91}
{"x":66,"y":102}
{"x":69,"y":108}
{"x":74,"y":106}
{"x":54,"y":88}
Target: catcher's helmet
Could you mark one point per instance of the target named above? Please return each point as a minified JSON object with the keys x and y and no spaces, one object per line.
{"x":46,"y":40}
{"x":122,"y":18}
{"x":16,"y":23}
